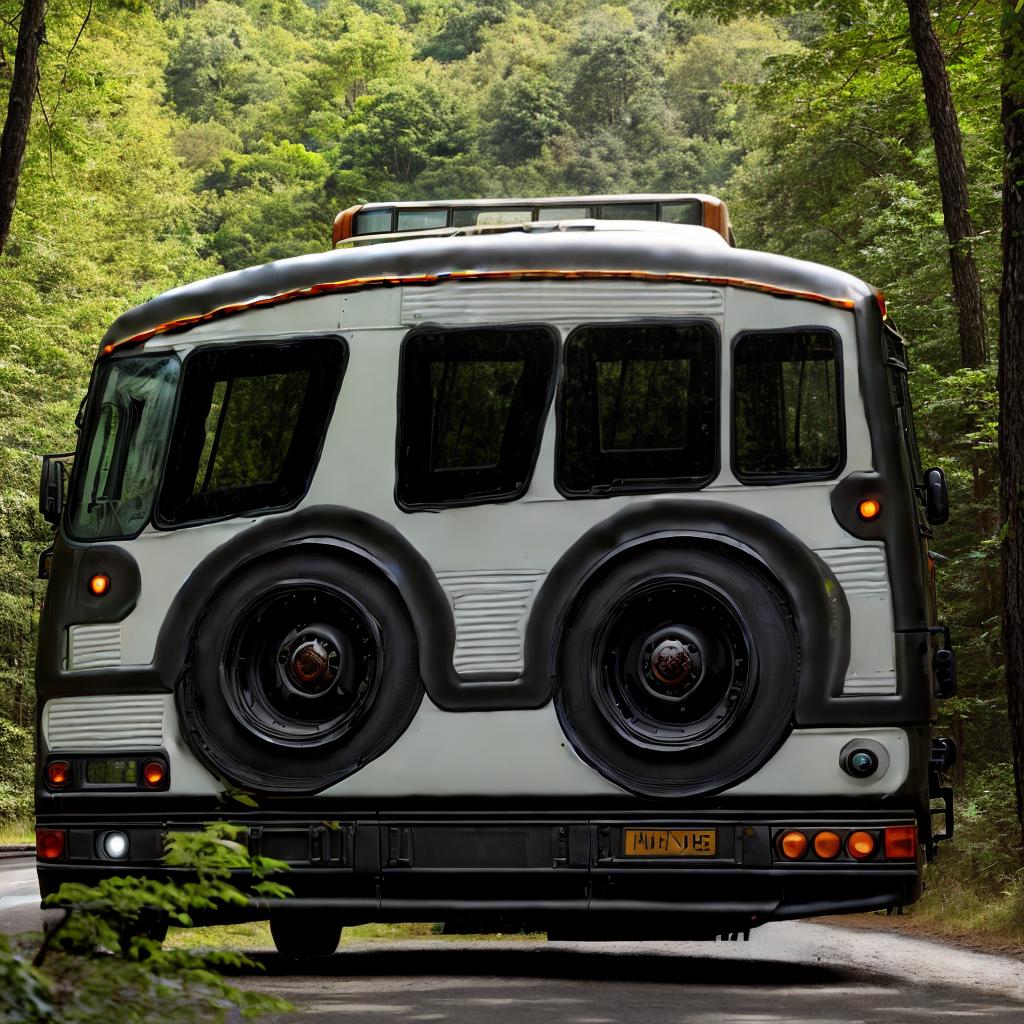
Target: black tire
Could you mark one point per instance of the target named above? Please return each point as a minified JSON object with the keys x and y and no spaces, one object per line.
{"x":300,"y":936}
{"x":252,"y":719}
{"x":678,"y":670}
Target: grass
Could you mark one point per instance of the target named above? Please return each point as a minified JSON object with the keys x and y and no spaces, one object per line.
{"x":256,"y":935}
{"x":13,"y":832}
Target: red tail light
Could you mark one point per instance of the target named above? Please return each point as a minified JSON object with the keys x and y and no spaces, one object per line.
{"x":50,"y":843}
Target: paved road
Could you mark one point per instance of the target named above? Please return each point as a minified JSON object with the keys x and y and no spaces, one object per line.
{"x":793,"y":972}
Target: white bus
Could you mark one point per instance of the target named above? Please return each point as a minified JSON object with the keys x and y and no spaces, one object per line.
{"x":547,"y":571}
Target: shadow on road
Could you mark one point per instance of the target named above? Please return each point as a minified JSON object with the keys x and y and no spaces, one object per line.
{"x":565,"y":964}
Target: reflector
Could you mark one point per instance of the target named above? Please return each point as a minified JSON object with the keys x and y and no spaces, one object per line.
{"x":869,"y":509}
{"x":793,"y":845}
{"x":49,"y":844}
{"x":901,"y":842}
{"x":154,"y":773}
{"x":826,"y":845}
{"x":99,"y":584}
{"x":58,"y":774}
{"x":860,"y":845}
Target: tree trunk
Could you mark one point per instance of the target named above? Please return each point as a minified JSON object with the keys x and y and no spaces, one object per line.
{"x":1011,"y":386}
{"x":949,"y":155}
{"x":31,"y":31}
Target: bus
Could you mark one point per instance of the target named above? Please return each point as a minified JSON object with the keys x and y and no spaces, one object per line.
{"x":555,"y":572}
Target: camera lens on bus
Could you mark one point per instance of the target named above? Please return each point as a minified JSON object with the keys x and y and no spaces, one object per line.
{"x":861,"y":763}
{"x":115,"y":845}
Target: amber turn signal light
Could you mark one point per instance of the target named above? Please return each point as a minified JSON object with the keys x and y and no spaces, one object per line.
{"x":49,"y":843}
{"x":860,"y":845}
{"x":901,"y":842}
{"x":154,"y":773}
{"x":827,"y":845}
{"x":869,"y":508}
{"x":793,"y":845}
{"x":58,"y":774}
{"x":99,"y":584}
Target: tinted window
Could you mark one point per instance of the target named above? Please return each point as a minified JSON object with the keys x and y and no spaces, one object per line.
{"x":471,"y":410}
{"x":628,"y":211}
{"x":787,"y":405}
{"x":420,"y":220}
{"x":682,"y":213}
{"x":373,"y":222}
{"x":491,"y":215}
{"x":563,"y":213}
{"x":898,"y":365}
{"x":638,"y":408}
{"x":125,"y":436}
{"x":249,"y":428}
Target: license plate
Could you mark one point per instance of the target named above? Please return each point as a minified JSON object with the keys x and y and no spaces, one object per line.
{"x":671,"y":842}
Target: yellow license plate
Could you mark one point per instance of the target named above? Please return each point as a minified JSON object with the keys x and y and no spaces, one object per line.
{"x":671,"y":842}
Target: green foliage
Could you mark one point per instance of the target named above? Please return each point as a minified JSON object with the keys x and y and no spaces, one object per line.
{"x":100,"y":952}
{"x":16,"y":767}
{"x":25,"y":992}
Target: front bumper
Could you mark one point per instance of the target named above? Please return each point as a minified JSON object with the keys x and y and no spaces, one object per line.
{"x":567,"y":874}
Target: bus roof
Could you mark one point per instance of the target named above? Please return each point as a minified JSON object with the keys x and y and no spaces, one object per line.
{"x":639,"y":252}
{"x":374,"y":222}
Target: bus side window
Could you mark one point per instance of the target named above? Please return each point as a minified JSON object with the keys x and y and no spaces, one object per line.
{"x":898,"y":367}
{"x":638,"y":409}
{"x":787,"y":406}
{"x":471,"y":407}
{"x":249,"y":428}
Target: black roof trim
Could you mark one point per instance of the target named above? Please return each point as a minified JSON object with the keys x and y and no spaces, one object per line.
{"x":677,"y":251}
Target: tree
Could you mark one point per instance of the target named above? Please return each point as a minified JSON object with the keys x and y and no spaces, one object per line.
{"x":952,"y":171}
{"x":1011,"y":385}
{"x":31,"y":32}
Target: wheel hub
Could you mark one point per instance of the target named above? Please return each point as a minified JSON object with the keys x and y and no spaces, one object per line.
{"x":670,"y":662}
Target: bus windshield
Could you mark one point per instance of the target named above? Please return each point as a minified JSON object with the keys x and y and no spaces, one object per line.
{"x":122,"y":447}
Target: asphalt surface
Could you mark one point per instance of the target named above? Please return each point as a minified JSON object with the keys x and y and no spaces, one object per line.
{"x":789,"y":972}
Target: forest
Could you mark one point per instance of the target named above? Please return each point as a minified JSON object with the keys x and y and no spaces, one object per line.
{"x":175,"y":139}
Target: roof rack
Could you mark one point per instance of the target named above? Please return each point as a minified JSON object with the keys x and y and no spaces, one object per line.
{"x":381,"y":222}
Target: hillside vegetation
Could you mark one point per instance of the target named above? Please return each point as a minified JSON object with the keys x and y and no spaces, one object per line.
{"x":176,"y":140}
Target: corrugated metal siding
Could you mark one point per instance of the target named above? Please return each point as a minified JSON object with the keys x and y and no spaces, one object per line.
{"x":121,"y":722}
{"x":869,"y":686}
{"x":860,"y":570}
{"x":491,"y":609}
{"x":557,"y":302}
{"x":94,"y":646}
{"x":864,"y":577}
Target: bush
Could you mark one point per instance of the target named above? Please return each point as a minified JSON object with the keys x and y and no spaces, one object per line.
{"x":16,"y":767}
{"x":98,"y":955}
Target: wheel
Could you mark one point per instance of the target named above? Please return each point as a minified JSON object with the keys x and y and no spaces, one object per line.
{"x":305,"y":668}
{"x":299,"y":936}
{"x":678,"y":670}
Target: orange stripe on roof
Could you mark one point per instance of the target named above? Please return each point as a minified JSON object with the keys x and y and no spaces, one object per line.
{"x":417,"y":280}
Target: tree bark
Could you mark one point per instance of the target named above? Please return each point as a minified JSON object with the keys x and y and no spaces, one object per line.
{"x":1011,"y":386}
{"x":31,"y":31}
{"x":949,"y":156}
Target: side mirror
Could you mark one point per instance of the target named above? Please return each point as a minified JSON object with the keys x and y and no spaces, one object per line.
{"x":51,"y":489}
{"x":936,"y":497}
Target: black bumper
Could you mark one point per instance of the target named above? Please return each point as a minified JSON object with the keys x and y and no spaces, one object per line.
{"x":568,"y":875}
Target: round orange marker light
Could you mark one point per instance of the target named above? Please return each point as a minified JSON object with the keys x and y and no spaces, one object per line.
{"x":793,"y":845}
{"x":154,"y":773}
{"x":58,"y":774}
{"x":869,"y":508}
{"x":99,"y":584}
{"x":827,"y":845}
{"x":860,"y":845}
